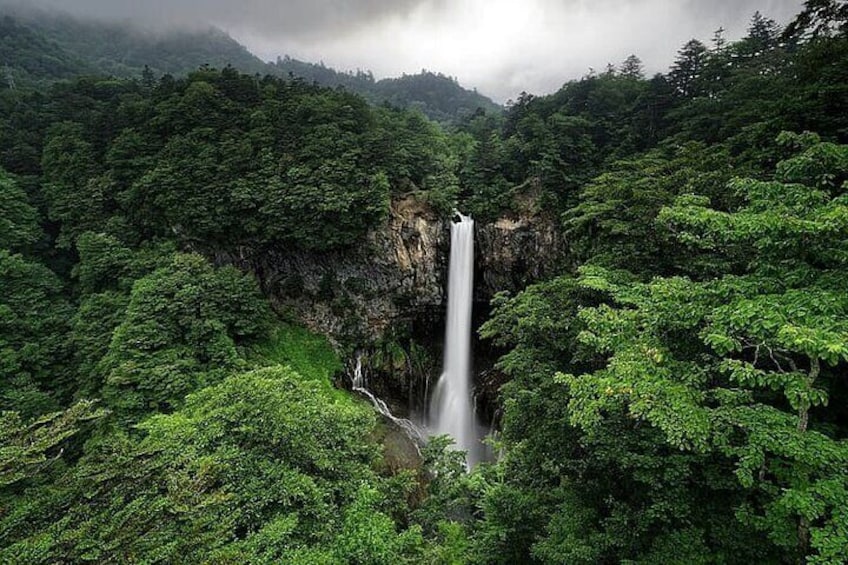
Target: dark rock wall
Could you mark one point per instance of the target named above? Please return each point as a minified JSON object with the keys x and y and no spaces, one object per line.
{"x":356,"y":294}
{"x":389,"y":290}
{"x":514,"y":252}
{"x":399,"y":272}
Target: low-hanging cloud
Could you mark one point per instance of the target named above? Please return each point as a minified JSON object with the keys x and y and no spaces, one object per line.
{"x":294,"y":18}
{"x":502,"y":47}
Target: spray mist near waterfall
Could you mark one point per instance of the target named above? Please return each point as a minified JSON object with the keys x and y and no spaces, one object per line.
{"x":451,"y":407}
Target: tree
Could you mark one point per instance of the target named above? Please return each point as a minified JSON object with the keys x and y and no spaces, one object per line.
{"x":263,"y":467}
{"x":35,"y":376}
{"x":27,"y":447}
{"x":78,"y":197}
{"x":719,"y":41}
{"x":613,"y":493}
{"x":763,"y":35}
{"x":18,"y":219}
{"x":148,"y":80}
{"x":614,"y":223}
{"x":181,"y":332}
{"x":819,"y":18}
{"x":735,"y":366}
{"x":632,"y":68}
{"x":762,"y":29}
{"x":686,"y":72}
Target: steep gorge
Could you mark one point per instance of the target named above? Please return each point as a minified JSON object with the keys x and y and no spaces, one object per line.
{"x":386,"y":295}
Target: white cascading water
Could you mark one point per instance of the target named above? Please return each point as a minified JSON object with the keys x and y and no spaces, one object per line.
{"x":359,"y":384}
{"x":451,"y":409}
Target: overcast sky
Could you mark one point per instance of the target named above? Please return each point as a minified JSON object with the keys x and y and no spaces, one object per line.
{"x":501,"y":47}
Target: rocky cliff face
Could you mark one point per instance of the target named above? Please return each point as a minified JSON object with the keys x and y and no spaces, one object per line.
{"x":386,"y":295}
{"x":356,"y":294}
{"x":399,"y":272}
{"x":514,"y":252}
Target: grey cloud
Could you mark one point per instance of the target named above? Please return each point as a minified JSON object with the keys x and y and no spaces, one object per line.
{"x":736,"y":10}
{"x":732,"y":9}
{"x":294,"y":18}
{"x":502,"y":47}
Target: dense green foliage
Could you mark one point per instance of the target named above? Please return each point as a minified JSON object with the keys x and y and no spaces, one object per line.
{"x":220,"y":159}
{"x":217,"y":438}
{"x":437,"y":96}
{"x":31,"y":58}
{"x":154,"y":409}
{"x":679,"y":397}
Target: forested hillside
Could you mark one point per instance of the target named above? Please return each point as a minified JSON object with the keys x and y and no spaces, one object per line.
{"x":38,"y":48}
{"x":437,"y":96}
{"x":679,"y":396}
{"x":29,"y":58}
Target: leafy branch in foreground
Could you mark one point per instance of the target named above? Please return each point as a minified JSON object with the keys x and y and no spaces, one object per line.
{"x":26,"y":448}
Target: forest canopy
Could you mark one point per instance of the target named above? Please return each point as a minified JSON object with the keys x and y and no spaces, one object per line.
{"x":674,"y":394}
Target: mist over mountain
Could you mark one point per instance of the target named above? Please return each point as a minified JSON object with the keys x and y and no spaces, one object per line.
{"x":40,"y":46}
{"x":502,"y":47}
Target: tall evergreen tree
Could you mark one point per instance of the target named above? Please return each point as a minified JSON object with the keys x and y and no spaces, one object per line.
{"x":688,"y":68}
{"x":632,"y":68}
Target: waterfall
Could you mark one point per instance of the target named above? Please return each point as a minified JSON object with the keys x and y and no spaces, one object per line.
{"x":359,"y":384}
{"x":451,"y":410}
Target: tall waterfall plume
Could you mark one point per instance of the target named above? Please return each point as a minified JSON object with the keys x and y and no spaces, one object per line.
{"x":451,"y":408}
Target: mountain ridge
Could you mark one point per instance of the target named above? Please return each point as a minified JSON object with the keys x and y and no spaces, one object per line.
{"x":37,"y":48}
